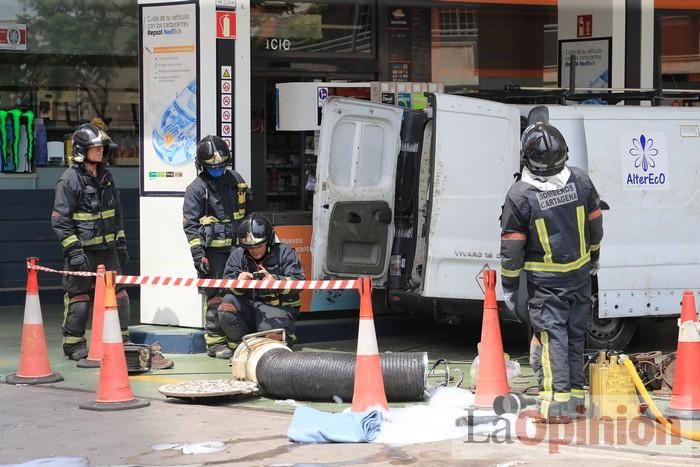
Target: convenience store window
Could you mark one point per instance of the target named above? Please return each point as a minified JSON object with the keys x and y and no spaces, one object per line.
{"x":79,"y":63}
{"x":488,"y":48}
{"x":679,"y":46}
{"x":332,"y":28}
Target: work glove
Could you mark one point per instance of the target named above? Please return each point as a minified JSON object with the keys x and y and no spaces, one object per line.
{"x":77,"y":259}
{"x":123,"y":257}
{"x":202,"y":265}
{"x":595,"y":267}
{"x":509,"y":299}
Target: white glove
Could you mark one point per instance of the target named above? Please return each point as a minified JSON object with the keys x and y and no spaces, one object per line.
{"x":595,"y":267}
{"x":509,"y":299}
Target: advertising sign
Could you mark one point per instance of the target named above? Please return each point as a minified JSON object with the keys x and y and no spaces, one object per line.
{"x":13,"y":36}
{"x":593,"y":62}
{"x":169,"y":131}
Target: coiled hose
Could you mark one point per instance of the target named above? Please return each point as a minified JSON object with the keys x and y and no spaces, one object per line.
{"x":320,"y":376}
{"x":693,"y":435}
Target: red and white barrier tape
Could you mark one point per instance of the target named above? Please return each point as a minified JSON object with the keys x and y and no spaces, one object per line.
{"x":214,"y":283}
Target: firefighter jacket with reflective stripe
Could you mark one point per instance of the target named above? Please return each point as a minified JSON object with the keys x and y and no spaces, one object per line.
{"x":281,"y":261}
{"x":557,"y":229}
{"x":212,"y":210}
{"x":87,"y":212}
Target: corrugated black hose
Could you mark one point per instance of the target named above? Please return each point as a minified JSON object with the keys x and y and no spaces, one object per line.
{"x":319,"y":376}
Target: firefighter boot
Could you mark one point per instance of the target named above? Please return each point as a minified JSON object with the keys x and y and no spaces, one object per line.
{"x":124,"y":310}
{"x":77,"y":312}
{"x":158,"y":361}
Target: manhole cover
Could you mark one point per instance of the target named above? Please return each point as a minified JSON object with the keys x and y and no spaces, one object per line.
{"x":209,"y":388}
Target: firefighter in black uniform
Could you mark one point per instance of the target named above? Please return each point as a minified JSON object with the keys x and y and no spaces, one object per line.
{"x":214,"y":205}
{"x":87,"y":218}
{"x":260,"y":255}
{"x":552,"y":227}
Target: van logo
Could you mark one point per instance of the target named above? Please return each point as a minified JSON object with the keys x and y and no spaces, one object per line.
{"x":645,"y":161}
{"x":644,"y":152}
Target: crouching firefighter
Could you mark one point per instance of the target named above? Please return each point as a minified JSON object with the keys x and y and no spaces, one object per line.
{"x":260,"y":255}
{"x":87,"y":218}
{"x":551,"y":228}
{"x":214,"y":205}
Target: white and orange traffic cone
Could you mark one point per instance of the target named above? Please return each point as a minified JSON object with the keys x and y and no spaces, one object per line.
{"x":98,"y":313}
{"x":369,"y":383}
{"x":491,"y":377}
{"x":685,"y":398}
{"x":34,"y":366}
{"x":113,"y":390}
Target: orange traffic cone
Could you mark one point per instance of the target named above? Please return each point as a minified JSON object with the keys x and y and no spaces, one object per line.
{"x":685,"y":398}
{"x":34,"y":366}
{"x":369,"y":383}
{"x":113,"y":390}
{"x":98,"y":314}
{"x":491,"y":379}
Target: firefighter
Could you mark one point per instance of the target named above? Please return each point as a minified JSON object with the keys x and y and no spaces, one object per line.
{"x":551,"y":228}
{"x":214,"y":205}
{"x":87,"y":218}
{"x":260,"y":255}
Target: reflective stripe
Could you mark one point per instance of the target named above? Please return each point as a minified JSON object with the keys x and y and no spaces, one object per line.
{"x":239,"y":215}
{"x":73,"y":340}
{"x":547,"y":265}
{"x":275,"y":302}
{"x":544,"y":408}
{"x":69,"y":241}
{"x":85,"y":216}
{"x":88,"y":216}
{"x":510,"y":272}
{"x":121,"y":234}
{"x":544,"y":240}
{"x":195,"y":242}
{"x":97,"y":240}
{"x":292,"y":303}
{"x":578,"y":393}
{"x":562,"y":396}
{"x":581,"y":222}
{"x":546,"y":366}
{"x":558,"y":267}
{"x":220,"y":243}
{"x":595,"y":247}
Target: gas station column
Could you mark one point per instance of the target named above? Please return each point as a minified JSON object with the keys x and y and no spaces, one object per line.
{"x":194,"y":81}
{"x":611,"y":40}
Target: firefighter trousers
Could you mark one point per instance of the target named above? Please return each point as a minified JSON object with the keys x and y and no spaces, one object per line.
{"x":560,"y":317}
{"x":213,"y":333}
{"x":80,"y":293}
{"x":243,"y":315}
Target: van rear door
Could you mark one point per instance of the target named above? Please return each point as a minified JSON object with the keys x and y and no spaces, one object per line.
{"x":354,"y":200}
{"x":475,"y":154}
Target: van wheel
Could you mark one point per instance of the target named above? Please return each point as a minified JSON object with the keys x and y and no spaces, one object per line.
{"x":609,"y":333}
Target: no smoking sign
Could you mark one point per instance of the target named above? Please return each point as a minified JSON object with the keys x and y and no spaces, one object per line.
{"x":225,"y":129}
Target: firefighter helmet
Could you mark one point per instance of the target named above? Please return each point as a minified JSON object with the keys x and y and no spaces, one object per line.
{"x":255,"y":230}
{"x":212,"y":152}
{"x":543,"y":149}
{"x":87,"y":136}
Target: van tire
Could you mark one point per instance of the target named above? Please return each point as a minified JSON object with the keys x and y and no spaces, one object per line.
{"x":608,"y":333}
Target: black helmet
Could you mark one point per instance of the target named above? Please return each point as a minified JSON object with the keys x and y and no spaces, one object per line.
{"x":212,"y":152}
{"x":255,"y":230}
{"x":86,"y":136}
{"x":543,"y":149}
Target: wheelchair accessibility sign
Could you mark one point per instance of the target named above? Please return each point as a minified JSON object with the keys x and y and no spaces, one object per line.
{"x":322,"y":96}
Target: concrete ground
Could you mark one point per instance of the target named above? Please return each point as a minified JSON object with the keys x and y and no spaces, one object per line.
{"x":45,"y":421}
